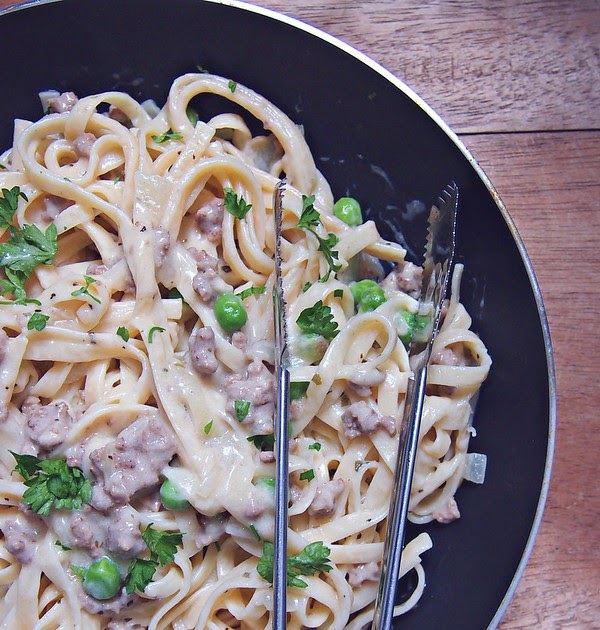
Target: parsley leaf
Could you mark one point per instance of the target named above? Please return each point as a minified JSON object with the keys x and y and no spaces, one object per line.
{"x":15,"y":284}
{"x":326,"y":246}
{"x":123,"y":333}
{"x":28,"y":247}
{"x":86,"y":289}
{"x":265,"y":562}
{"x":163,"y":545}
{"x":153,"y":330}
{"x":235,"y":205}
{"x":52,"y":483}
{"x":139,"y":574}
{"x":263,"y":441}
{"x":251,"y":291}
{"x":307,"y":475}
{"x":318,"y":319}
{"x":310,"y":216}
{"x":168,"y":135}
{"x":298,"y":389}
{"x":242,"y":407}
{"x":313,"y":559}
{"x":310,"y":219}
{"x":9,"y":203}
{"x":254,"y":531}
{"x":63,"y":547}
{"x":192,"y":115}
{"x":37,"y":321}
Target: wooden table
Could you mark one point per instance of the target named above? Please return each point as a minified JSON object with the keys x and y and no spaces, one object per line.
{"x":519,"y":82}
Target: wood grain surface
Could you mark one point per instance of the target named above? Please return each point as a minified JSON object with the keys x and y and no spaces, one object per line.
{"x":519,"y":81}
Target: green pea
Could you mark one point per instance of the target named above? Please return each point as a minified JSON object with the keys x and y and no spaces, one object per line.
{"x":310,"y":346}
{"x":102,"y":579}
{"x":230,"y":312}
{"x":358,"y":288}
{"x":368,"y":295}
{"x":348,"y":210}
{"x":414,"y":324}
{"x":371,"y":299}
{"x":409,"y":322}
{"x":171,"y":497}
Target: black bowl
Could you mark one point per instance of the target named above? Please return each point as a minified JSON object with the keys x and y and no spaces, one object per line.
{"x":376,"y":140}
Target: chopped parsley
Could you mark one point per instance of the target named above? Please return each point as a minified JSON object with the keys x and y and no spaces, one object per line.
{"x":52,"y":484}
{"x":315,"y":446}
{"x":37,"y":321}
{"x":153,"y":330}
{"x":168,"y":135}
{"x":207,"y":427}
{"x":26,"y":248}
{"x":338,"y":293}
{"x":242,"y":407}
{"x":162,"y":546}
{"x":86,"y":289}
{"x":261,"y":442}
{"x":255,"y":532}
{"x":192,"y":115}
{"x":307,"y":475}
{"x":139,"y":574}
{"x":9,"y":203}
{"x":63,"y":547}
{"x":310,"y":217}
{"x":313,"y":559}
{"x":309,"y":220}
{"x":298,"y":389}
{"x":232,"y":85}
{"x":318,"y":320}
{"x":235,"y":205}
{"x":251,"y":291}
{"x":123,"y":333}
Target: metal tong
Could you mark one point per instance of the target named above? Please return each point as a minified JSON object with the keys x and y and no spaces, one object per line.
{"x":439,"y":252}
{"x":282,"y":379}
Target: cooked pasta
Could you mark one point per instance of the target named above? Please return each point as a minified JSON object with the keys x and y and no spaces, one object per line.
{"x":136,"y":352}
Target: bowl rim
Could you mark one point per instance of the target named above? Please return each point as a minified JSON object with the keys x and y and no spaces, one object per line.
{"x":431,"y":113}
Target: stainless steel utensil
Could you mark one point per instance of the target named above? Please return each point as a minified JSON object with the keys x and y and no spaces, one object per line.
{"x":282,"y":379}
{"x":439,"y":252}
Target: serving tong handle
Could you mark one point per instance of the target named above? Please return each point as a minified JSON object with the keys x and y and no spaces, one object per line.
{"x":439,"y":252}
{"x":282,"y":379}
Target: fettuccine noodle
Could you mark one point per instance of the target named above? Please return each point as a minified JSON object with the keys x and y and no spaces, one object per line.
{"x":115,"y":359}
